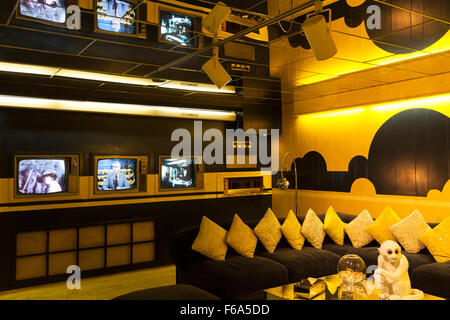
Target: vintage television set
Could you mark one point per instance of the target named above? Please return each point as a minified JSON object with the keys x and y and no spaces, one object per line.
{"x":120,"y":174}
{"x":119,"y":17}
{"x":179,"y":173}
{"x":53,"y":12}
{"x":40,"y":176}
{"x":179,"y":28}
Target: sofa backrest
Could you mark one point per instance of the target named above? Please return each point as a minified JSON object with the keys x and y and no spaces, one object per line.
{"x":181,"y":241}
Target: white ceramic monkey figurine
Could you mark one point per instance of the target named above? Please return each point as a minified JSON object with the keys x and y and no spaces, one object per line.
{"x":392,"y":276}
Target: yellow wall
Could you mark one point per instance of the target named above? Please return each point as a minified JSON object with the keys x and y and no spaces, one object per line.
{"x":341,"y":135}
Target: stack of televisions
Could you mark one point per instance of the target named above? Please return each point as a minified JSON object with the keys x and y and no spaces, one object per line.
{"x":44,"y":175}
{"x":117,"y":17}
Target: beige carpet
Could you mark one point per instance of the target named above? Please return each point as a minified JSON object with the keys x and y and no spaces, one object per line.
{"x":97,"y":288}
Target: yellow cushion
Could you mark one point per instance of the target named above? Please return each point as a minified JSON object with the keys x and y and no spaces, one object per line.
{"x":408,"y":231}
{"x":437,"y":241}
{"x":291,"y":230}
{"x":380,"y":228}
{"x":312,"y":229}
{"x":356,"y":229}
{"x":210,"y":240}
{"x":241,"y":238}
{"x":268,"y":231}
{"x":333,"y":226}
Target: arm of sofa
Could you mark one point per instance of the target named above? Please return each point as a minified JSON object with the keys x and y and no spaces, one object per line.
{"x":180,"y":244}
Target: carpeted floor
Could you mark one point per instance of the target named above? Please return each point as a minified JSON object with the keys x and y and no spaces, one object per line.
{"x":97,"y":288}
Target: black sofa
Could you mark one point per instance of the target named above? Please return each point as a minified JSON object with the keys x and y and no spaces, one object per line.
{"x":239,"y":277}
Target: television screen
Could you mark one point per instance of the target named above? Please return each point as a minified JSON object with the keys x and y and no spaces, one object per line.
{"x":176,"y":27}
{"x":176,"y":173}
{"x":41,"y":176}
{"x":116,"y":16}
{"x":48,"y":10}
{"x":116,"y":174}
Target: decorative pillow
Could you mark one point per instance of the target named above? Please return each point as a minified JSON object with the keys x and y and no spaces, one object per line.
{"x":241,"y":238}
{"x":437,"y":241}
{"x":210,"y":240}
{"x":380,"y":228}
{"x":334,"y":226}
{"x":408,"y":231}
{"x":291,"y":230}
{"x":356,"y":229}
{"x":312,"y":229}
{"x":268,"y":231}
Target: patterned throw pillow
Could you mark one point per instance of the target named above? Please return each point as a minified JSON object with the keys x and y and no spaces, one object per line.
{"x":437,"y":241}
{"x":408,"y":231}
{"x":334,"y":226}
{"x":291,"y":230}
{"x":356,"y":229}
{"x":268,"y":231}
{"x":380,"y":228}
{"x":241,"y":238}
{"x":210,"y":240}
{"x":312,"y":229}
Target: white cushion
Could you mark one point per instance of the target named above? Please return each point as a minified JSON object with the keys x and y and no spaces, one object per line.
{"x":356,"y":229}
{"x":409,"y":230}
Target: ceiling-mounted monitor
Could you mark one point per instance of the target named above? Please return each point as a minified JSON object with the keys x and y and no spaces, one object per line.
{"x":45,"y":11}
{"x":117,"y":17}
{"x":178,"y":28}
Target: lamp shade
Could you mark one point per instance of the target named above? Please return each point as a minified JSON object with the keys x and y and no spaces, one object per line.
{"x":319,"y":37}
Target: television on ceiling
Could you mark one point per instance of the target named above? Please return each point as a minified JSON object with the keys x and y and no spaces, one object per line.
{"x":45,"y":175}
{"x":117,"y":16}
{"x":45,"y":11}
{"x":119,"y":173}
{"x":177,"y":173}
{"x":177,"y":28}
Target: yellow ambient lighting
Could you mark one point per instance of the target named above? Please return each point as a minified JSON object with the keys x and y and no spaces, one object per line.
{"x":414,"y":103}
{"x":192,"y":86}
{"x":104,"y":77}
{"x":27,"y":68}
{"x":68,"y":73}
{"x":426,"y":102}
{"x":339,"y":113}
{"x":115,"y":108}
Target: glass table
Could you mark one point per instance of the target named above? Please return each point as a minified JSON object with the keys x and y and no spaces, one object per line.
{"x":328,"y":288}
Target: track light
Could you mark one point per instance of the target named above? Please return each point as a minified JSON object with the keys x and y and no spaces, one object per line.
{"x":212,"y":22}
{"x":318,"y":35}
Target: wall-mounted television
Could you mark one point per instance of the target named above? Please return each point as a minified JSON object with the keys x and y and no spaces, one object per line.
{"x":45,"y":175}
{"x":177,"y":173}
{"x":45,"y":11}
{"x":119,"y":174}
{"x":117,"y":17}
{"x":178,"y":28}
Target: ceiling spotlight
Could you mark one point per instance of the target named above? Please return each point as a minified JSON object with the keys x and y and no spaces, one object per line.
{"x":318,"y":35}
{"x":212,"y":22}
{"x":216,"y":72}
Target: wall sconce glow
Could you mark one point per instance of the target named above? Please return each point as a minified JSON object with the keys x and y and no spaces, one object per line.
{"x":115,"y":108}
{"x":105,"y":77}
